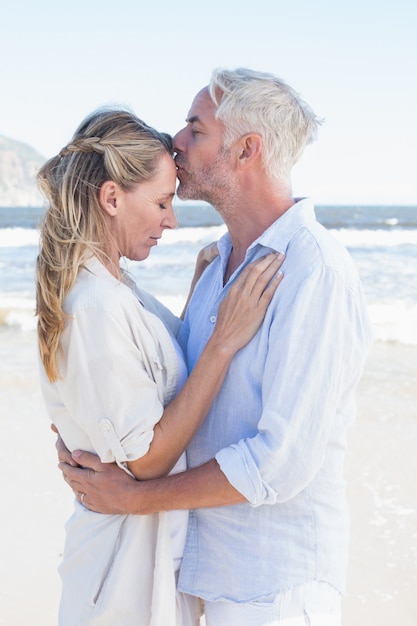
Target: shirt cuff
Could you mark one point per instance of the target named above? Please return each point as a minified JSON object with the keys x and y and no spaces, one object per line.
{"x":116,"y":451}
{"x":242,"y":473}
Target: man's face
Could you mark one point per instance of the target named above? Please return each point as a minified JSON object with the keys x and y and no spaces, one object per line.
{"x":203,"y":166}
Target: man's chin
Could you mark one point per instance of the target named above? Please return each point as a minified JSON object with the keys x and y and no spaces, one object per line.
{"x":190,"y":193}
{"x":183,"y":193}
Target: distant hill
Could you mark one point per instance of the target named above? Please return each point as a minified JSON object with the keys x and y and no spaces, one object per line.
{"x":19,"y":164}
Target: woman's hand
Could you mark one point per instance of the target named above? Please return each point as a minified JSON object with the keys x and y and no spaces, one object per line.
{"x":242,"y":311}
{"x":206,"y":256}
{"x":64,"y":455}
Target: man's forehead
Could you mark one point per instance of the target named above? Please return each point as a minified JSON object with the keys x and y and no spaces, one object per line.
{"x":202,"y":95}
{"x":202,"y":108}
{"x":202,"y":104}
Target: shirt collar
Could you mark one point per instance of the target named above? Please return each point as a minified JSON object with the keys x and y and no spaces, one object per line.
{"x":280,"y":233}
{"x":93,"y":265}
{"x":96,"y":267}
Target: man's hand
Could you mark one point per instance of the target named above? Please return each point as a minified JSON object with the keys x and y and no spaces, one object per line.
{"x":101,"y":487}
{"x":106,"y":488}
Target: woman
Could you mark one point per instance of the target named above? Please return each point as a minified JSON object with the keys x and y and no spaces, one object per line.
{"x":112,"y":375}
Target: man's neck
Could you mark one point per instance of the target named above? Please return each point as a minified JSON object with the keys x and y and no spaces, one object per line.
{"x":247,"y":225}
{"x":235,"y":259}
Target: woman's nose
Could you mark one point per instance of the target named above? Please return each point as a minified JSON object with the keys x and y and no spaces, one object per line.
{"x":170,"y":219}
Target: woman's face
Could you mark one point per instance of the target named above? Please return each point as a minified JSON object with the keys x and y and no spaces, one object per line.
{"x":144,"y":212}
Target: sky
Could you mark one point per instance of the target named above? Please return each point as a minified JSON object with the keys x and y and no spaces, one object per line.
{"x":354,"y":62}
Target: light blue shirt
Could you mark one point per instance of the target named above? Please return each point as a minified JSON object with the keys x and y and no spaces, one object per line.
{"x":278,"y":426}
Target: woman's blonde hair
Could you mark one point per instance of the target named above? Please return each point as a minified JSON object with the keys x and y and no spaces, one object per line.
{"x":108,"y":145}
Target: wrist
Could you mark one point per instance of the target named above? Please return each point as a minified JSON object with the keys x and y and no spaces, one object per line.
{"x":223,"y":348}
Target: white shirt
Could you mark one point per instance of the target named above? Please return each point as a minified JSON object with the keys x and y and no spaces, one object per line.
{"x":119,"y":369}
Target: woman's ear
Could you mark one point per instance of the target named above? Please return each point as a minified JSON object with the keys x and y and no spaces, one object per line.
{"x":108,"y":197}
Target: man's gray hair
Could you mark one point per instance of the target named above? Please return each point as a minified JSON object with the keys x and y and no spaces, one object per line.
{"x":249,"y":101}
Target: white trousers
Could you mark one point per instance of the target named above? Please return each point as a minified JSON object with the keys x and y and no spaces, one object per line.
{"x":313,"y":604}
{"x":188,"y":608}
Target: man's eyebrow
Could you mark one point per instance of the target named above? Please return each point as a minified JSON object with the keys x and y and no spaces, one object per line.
{"x":192,"y":119}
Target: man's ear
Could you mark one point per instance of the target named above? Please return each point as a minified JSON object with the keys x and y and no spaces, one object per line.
{"x":249,"y":148}
{"x":108,"y":197}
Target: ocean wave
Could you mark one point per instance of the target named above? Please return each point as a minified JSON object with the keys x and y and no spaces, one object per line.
{"x":197,"y":234}
{"x":22,"y":237}
{"x":18,"y":311}
{"x":352,"y":238}
{"x":392,"y":321}
{"x":18,"y":237}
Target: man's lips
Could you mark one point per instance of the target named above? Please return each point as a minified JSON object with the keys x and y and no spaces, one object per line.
{"x":179,"y":164}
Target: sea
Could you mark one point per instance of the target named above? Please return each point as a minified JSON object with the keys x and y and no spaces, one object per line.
{"x":381,"y":239}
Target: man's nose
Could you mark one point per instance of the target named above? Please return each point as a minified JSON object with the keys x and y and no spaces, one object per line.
{"x":178,"y":141}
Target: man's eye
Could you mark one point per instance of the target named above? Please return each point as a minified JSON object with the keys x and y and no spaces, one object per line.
{"x":162,"y":205}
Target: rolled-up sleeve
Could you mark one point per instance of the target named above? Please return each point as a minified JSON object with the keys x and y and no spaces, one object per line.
{"x":311,"y":369}
{"x":106,"y":386}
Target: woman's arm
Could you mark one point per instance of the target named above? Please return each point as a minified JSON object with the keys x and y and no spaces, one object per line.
{"x":239,"y":317}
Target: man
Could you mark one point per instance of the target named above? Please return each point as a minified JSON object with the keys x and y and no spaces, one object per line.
{"x":268,"y":534}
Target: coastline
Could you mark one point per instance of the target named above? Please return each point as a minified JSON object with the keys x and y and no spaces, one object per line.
{"x":381,"y":467}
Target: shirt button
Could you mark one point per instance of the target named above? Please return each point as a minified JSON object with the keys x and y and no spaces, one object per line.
{"x":213,"y":319}
{"x":105,"y":427}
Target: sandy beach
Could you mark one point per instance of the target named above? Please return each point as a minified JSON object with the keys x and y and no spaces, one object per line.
{"x":381,"y":469}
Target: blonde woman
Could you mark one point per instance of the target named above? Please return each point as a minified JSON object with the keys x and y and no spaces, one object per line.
{"x":112,"y":374}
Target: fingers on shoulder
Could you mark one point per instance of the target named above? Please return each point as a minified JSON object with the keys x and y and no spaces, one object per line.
{"x":265,"y":269}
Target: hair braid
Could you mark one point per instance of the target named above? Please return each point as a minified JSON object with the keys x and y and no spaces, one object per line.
{"x":83,"y":144}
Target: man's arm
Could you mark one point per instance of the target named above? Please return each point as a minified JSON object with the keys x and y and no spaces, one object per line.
{"x":108,"y":489}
